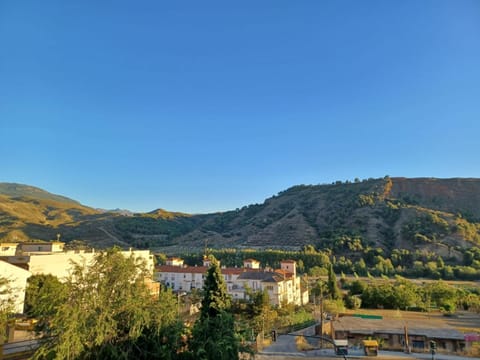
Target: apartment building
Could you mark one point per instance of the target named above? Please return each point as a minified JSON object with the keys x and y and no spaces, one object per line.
{"x":283,"y":285}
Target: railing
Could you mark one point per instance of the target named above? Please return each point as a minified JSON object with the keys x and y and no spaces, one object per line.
{"x":18,"y":350}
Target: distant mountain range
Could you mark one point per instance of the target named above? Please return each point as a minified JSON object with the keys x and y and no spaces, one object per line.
{"x":427,"y":214}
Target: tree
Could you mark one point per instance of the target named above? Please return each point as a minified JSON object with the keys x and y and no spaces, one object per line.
{"x":43,"y":296}
{"x":109,"y":313}
{"x":406,"y":294}
{"x":213,"y":335}
{"x":6,"y":306}
{"x":332,"y":284}
{"x":443,"y":295}
{"x":258,"y":311}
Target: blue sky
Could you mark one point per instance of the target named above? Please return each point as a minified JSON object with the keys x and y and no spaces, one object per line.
{"x":202,"y":106}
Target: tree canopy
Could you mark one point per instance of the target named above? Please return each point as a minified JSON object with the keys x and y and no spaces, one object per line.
{"x":6,"y":305}
{"x":213,"y":335}
{"x":110,"y":313}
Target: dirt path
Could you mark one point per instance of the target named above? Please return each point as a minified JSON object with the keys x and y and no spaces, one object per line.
{"x":114,"y":238}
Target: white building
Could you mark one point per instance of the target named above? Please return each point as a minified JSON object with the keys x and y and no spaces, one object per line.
{"x":8,"y":249}
{"x":283,"y":285}
{"x":59,"y":263}
{"x":17,"y":283}
{"x":42,"y":247}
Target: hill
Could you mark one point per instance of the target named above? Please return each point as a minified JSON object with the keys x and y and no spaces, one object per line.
{"x":432,"y":214}
{"x":424,"y":214}
{"x":25,"y":191}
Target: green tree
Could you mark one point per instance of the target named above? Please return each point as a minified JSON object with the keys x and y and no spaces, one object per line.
{"x":332,"y":285}
{"x":6,"y":306}
{"x":442,"y":295}
{"x":258,"y":308}
{"x":43,"y":296}
{"x":357,"y":287}
{"x":213,"y":335}
{"x":110,"y":313}
{"x":406,"y":294}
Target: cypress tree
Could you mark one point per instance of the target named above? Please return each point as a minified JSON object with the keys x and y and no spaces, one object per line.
{"x":213,"y":335}
{"x":332,"y":284}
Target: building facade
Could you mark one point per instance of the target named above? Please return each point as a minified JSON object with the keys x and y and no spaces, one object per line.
{"x":14,"y":289}
{"x":51,"y":259}
{"x":283,"y":285}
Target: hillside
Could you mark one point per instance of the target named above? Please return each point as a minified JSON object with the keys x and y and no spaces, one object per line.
{"x":386,"y":213}
{"x":25,"y":191}
{"x":430,"y":215}
{"x":28,"y":213}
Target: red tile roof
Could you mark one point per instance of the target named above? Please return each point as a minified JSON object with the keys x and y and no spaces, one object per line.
{"x":232,"y":271}
{"x":182,"y":269}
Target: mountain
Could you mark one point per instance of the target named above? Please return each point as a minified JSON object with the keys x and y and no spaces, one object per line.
{"x":426,"y":214}
{"x":25,"y":191}
{"x":431,"y":214}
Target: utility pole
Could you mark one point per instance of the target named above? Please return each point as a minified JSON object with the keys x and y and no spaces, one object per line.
{"x":433,"y":348}
{"x":321,"y":317}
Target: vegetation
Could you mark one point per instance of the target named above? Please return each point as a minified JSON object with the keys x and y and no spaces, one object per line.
{"x":43,"y":296}
{"x":105,"y":310}
{"x":364,"y":260}
{"x":213,"y":335}
{"x":6,"y":306}
{"x":110,"y":313}
{"x":407,"y":295}
{"x":332,"y":285}
{"x":351,"y":219}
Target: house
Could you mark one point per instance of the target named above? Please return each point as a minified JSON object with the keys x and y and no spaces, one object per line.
{"x":180,"y":277}
{"x":50,"y":259}
{"x":15,"y":289}
{"x":282,"y":285}
{"x":8,"y":249}
{"x":40,"y":247}
{"x":396,"y":334}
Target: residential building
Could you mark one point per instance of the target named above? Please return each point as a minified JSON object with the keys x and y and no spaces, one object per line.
{"x":40,"y":247}
{"x":283,"y":285}
{"x":51,"y":260}
{"x":8,"y":249}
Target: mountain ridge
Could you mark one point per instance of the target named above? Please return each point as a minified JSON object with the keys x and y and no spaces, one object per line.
{"x":430,"y":214}
{"x":22,"y":190}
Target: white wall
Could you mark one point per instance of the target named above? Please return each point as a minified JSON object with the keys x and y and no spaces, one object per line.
{"x":17,"y":278}
{"x":60,"y":264}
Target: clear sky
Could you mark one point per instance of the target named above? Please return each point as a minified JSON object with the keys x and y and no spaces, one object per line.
{"x":202,"y":106}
